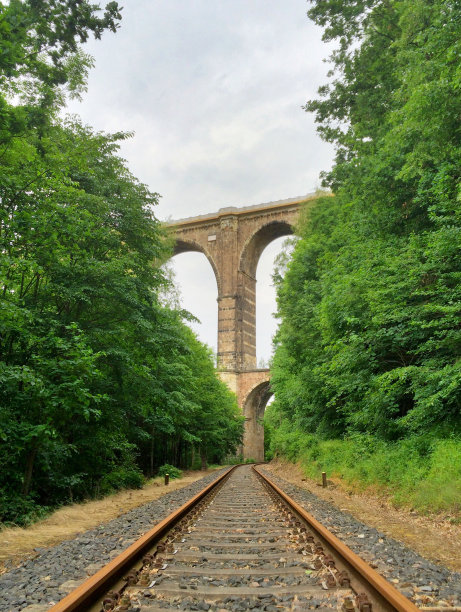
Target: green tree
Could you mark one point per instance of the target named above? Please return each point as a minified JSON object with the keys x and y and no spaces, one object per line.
{"x":369,"y":340}
{"x":90,"y":356}
{"x":217,"y":422}
{"x":95,"y":366}
{"x":41,"y":58}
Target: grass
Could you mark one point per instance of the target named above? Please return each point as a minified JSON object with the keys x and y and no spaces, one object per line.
{"x":420,"y":473}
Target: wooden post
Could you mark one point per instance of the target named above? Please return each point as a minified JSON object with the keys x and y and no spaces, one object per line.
{"x":324,"y":479}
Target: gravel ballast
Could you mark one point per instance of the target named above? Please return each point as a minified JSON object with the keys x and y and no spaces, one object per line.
{"x":47,"y":578}
{"x":57,"y":570}
{"x":419,"y":579}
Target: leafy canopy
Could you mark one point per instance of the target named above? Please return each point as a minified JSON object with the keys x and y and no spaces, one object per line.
{"x":369,"y":341}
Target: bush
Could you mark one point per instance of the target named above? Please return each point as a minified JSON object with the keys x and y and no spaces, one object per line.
{"x":18,"y":510}
{"x":440,"y":489}
{"x":122,"y":478}
{"x":196,"y":464}
{"x":420,"y":472}
{"x":173,"y":471}
{"x":233,"y":460}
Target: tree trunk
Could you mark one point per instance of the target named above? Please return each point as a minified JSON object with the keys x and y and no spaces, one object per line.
{"x":30,"y":460}
{"x":203,"y":458}
{"x":192,"y":456}
{"x":151,"y":462}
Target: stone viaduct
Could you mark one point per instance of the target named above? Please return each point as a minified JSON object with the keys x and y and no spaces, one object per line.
{"x":232,"y":240}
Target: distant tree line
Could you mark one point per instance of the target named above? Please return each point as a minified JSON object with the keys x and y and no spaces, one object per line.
{"x":100,"y":381}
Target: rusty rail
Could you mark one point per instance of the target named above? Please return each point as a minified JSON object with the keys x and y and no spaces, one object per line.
{"x":389,"y":593}
{"x":87,"y":594}
{"x":84,"y":595}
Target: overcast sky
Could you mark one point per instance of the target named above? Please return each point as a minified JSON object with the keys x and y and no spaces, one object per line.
{"x":213,"y":90}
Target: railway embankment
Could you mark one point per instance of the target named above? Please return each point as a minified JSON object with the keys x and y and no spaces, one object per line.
{"x":56,"y":570}
{"x":375,"y":534}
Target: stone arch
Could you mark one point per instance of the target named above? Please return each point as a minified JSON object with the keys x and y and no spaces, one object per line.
{"x":258,"y":241}
{"x":256,"y":400}
{"x":183,"y":246}
{"x":253,"y":409}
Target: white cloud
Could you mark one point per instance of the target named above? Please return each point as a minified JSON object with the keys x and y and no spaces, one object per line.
{"x":213,"y":90}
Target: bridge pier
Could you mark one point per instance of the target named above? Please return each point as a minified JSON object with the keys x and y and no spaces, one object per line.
{"x":252,"y":388}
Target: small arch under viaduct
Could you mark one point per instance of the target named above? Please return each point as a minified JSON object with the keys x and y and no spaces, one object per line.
{"x":232,"y":240}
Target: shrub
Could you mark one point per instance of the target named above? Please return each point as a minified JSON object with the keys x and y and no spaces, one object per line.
{"x":196,"y":464}
{"x":420,"y":472}
{"x":440,"y":489}
{"x":173,"y":471}
{"x":122,"y":478}
{"x":18,"y":510}
{"x":233,"y":460}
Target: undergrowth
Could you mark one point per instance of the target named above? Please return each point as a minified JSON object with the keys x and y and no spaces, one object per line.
{"x":169,"y":469}
{"x":419,"y":472}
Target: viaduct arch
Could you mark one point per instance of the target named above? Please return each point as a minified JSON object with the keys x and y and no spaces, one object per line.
{"x":232,"y":240}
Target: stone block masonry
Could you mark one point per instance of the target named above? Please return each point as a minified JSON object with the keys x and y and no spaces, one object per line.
{"x":232,"y":240}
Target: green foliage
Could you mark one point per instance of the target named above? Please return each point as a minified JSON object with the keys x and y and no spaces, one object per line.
{"x":41,"y":59}
{"x":218,"y":423}
{"x":234,"y":459}
{"x":122,"y":478}
{"x":100,"y":381}
{"x":421,"y":472}
{"x":369,"y":341}
{"x":19,"y":511}
{"x":268,"y":435}
{"x":173,"y":471}
{"x":441,"y":487}
{"x":196,"y":464}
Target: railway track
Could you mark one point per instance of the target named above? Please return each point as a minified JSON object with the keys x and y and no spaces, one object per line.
{"x":241,"y":544}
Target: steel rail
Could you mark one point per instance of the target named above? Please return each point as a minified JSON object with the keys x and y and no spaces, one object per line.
{"x":84,"y":595}
{"x":380,"y":584}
